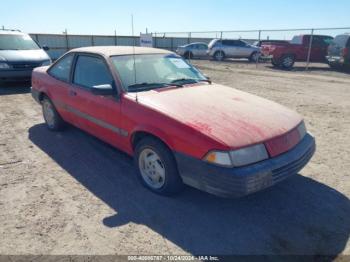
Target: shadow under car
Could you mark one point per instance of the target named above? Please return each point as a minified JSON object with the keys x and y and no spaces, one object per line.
{"x":299,"y":216}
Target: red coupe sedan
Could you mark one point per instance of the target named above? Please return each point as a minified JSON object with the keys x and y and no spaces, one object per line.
{"x":180,"y":127}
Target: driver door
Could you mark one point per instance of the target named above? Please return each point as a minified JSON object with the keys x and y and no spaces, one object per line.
{"x":97,"y":114}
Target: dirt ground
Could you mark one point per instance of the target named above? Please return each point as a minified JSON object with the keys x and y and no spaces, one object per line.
{"x":69,"y":193}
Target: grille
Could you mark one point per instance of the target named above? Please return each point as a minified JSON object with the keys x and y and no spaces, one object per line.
{"x":25,"y":65}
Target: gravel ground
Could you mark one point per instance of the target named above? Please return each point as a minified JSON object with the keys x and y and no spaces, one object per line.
{"x":69,"y":193}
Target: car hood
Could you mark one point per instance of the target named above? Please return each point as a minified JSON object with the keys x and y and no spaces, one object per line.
{"x":229,"y":116}
{"x":23,"y":55}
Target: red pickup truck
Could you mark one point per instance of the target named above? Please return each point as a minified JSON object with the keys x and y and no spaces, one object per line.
{"x":284,"y":55}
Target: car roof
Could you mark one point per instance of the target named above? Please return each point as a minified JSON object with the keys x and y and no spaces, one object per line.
{"x":120,"y":50}
{"x":11,"y":32}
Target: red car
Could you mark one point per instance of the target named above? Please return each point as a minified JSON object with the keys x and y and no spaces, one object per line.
{"x":180,"y":127}
{"x":285,"y":54}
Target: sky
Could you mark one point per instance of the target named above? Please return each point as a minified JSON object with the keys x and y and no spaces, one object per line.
{"x":105,"y":16}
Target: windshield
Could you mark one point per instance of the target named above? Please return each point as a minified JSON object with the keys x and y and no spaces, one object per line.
{"x":17,"y":42}
{"x":154,"y":71}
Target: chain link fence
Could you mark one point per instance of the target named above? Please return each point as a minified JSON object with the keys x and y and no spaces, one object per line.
{"x":170,"y":40}
{"x":61,"y":43}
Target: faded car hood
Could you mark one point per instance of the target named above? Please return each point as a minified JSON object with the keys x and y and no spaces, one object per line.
{"x":229,"y":116}
{"x":23,"y":55}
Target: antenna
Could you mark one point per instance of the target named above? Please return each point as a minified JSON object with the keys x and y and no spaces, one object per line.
{"x":133,"y":46}
{"x":133,"y":51}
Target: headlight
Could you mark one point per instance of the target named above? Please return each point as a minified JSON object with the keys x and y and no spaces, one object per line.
{"x":46,"y":63}
{"x":4,"y":65}
{"x":236,"y":158}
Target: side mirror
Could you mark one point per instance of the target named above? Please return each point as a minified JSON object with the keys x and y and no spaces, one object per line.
{"x":103,"y":90}
{"x":46,"y":48}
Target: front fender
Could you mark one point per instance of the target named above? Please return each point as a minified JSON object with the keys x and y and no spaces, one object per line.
{"x":155,"y":131}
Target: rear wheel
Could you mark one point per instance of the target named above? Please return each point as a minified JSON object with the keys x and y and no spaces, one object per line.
{"x":157,"y":167}
{"x":287,"y":61}
{"x":219,"y":55}
{"x":53,"y":120}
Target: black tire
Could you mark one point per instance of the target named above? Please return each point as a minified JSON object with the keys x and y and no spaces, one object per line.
{"x":188,"y":55}
{"x":172,"y":182}
{"x":56,"y":123}
{"x":253,"y":57}
{"x":287,"y":61}
{"x":219,"y":55}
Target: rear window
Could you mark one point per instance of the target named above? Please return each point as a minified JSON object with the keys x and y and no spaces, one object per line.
{"x":17,"y":42}
{"x":341,"y":40}
{"x":297,"y":40}
{"x":61,"y":70}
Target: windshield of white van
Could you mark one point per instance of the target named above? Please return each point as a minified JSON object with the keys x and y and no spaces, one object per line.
{"x":17,"y":42}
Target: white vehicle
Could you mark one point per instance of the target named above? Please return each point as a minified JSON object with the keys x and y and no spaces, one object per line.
{"x":219,"y":49}
{"x":193,"y":50}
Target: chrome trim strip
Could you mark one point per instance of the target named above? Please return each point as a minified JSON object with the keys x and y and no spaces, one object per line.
{"x":92,"y":119}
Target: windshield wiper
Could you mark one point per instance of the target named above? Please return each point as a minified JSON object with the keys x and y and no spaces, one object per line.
{"x":148,"y":86}
{"x":186,"y":80}
{"x":190,"y":80}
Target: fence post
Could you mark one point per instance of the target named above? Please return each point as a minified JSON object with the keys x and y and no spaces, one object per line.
{"x":189,"y":38}
{"x":115,"y":38}
{"x":309,"y":51}
{"x":67,"y":41}
{"x":172,"y":43}
{"x":257,"y":60}
{"x":155,"y":40}
{"x":92,"y":40}
{"x":221,"y":35}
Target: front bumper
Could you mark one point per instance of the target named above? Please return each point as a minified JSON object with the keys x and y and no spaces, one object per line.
{"x":241,"y":181}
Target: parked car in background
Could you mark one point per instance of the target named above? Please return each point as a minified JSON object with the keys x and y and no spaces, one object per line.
{"x":339,"y":51}
{"x":219,"y":49}
{"x":180,"y":127}
{"x":193,"y":50}
{"x":268,"y":42}
{"x":19,"y":55}
{"x":284,"y":55}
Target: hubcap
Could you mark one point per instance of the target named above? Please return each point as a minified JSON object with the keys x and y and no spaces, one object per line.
{"x":49,"y":114}
{"x":219,"y":55}
{"x":152,"y":168}
{"x":288,"y":61}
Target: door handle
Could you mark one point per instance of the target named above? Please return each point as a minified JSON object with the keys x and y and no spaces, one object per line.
{"x":72,"y":93}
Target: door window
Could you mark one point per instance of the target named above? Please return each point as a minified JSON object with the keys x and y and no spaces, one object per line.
{"x":91,"y":71}
{"x":61,"y":70}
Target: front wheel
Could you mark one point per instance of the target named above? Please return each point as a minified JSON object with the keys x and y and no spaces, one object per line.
{"x":53,"y":120}
{"x":157,"y":167}
{"x":219,"y":56}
